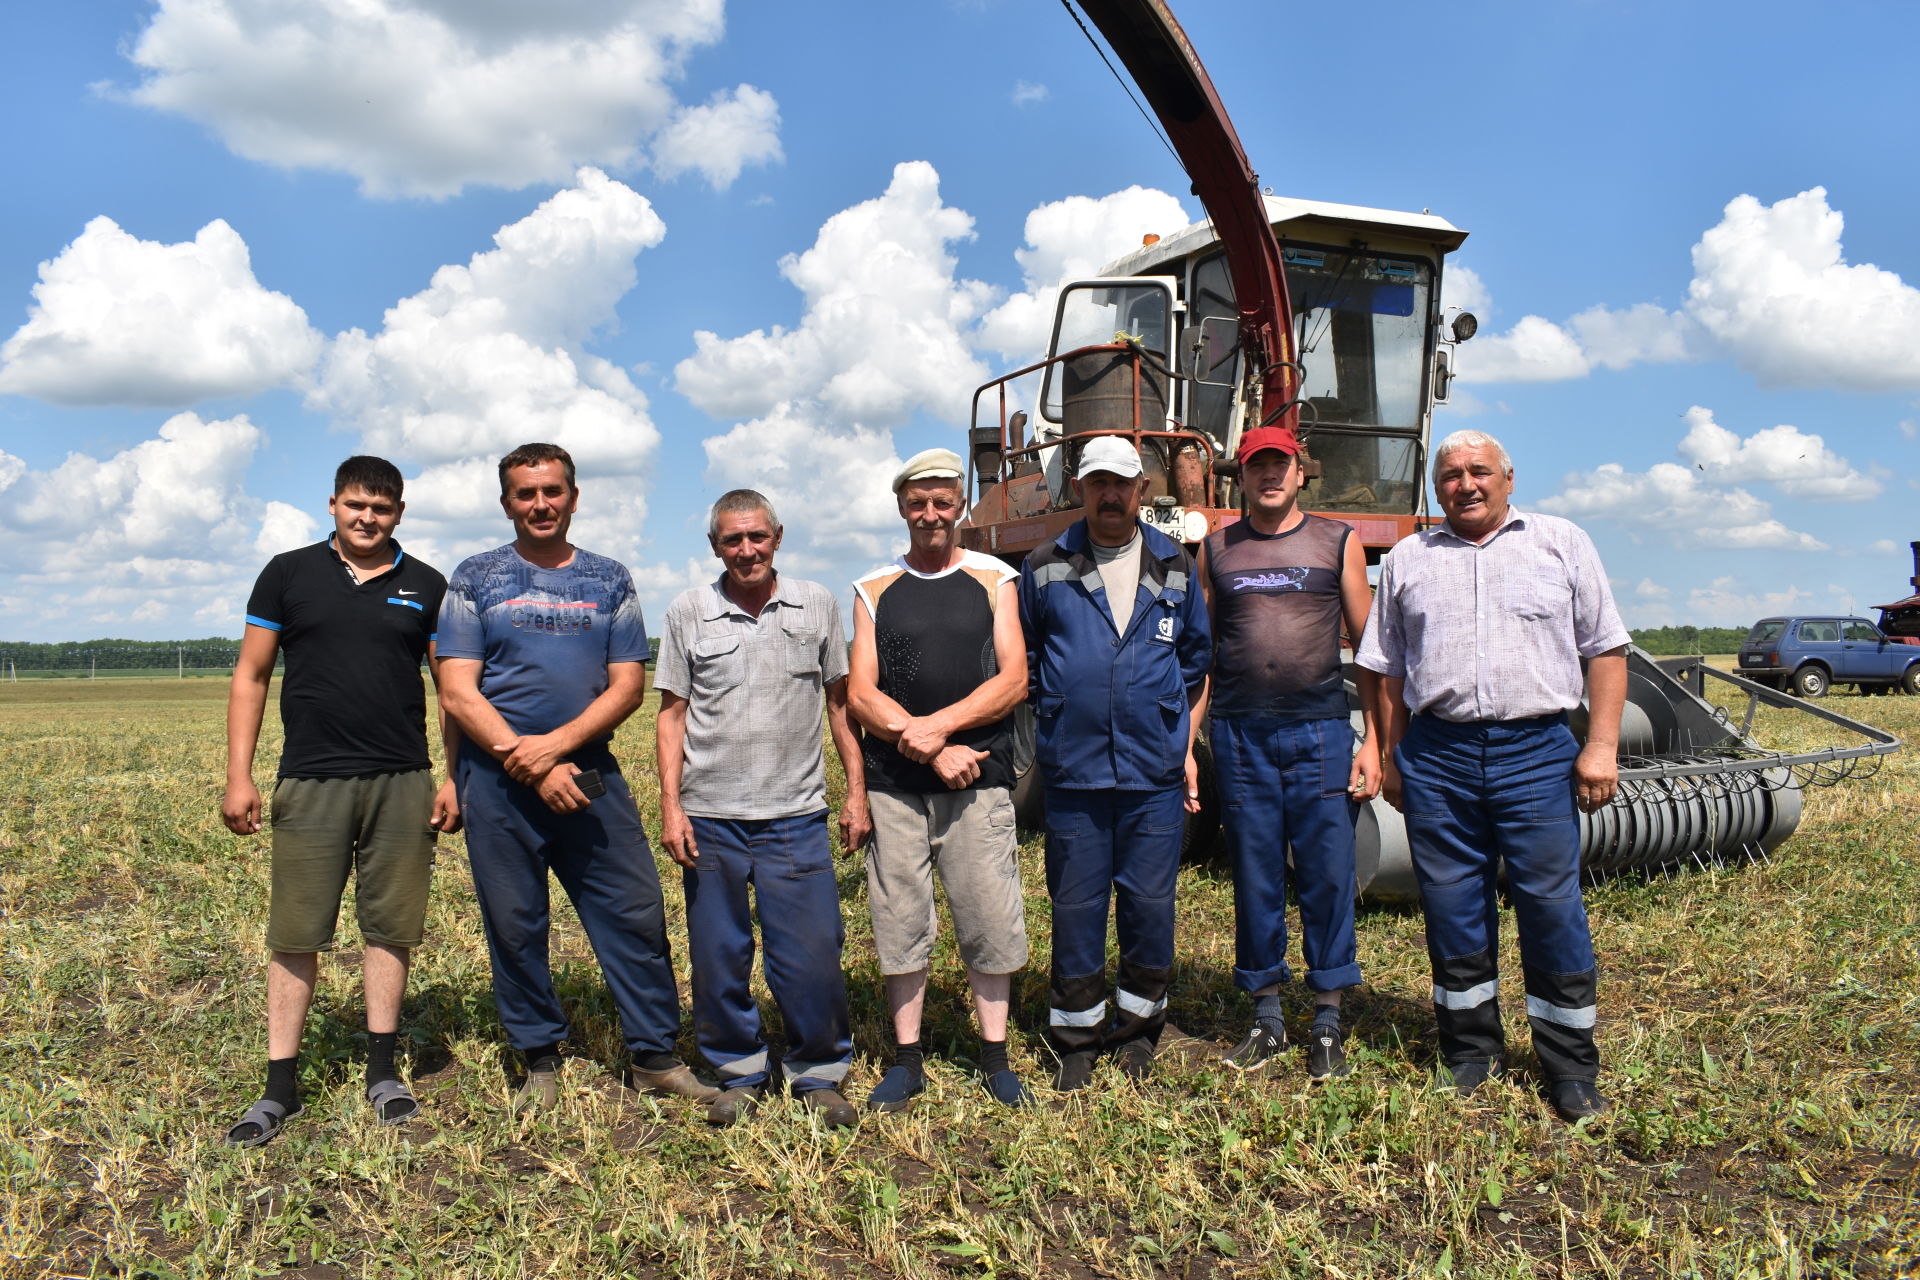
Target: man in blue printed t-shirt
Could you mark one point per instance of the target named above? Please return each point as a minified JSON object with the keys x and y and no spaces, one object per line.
{"x":542,"y":652}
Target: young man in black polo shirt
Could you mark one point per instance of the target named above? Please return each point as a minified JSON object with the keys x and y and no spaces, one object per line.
{"x":354,"y":617}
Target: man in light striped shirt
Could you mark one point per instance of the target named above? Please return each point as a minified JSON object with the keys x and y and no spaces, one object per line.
{"x":1480,"y":629}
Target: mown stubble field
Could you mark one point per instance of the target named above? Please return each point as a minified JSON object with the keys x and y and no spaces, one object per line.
{"x":1761,"y":1027}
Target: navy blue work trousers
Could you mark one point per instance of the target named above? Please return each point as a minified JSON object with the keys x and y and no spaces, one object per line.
{"x":789,"y":866}
{"x":1478,"y":796}
{"x":601,"y":858}
{"x":1124,"y":846}
{"x":1281,"y":783}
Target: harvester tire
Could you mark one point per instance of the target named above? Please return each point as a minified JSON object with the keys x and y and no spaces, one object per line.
{"x":1811,"y":681}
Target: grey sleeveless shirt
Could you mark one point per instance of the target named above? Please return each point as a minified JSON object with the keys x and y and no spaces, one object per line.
{"x":1276,"y":631}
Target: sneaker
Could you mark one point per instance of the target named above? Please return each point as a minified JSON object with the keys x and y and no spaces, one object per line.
{"x":1576,"y":1100}
{"x":1075,"y":1073}
{"x":1008,"y":1089}
{"x":834,"y":1109}
{"x":676,"y":1081}
{"x":1326,"y":1053}
{"x":541,"y":1092}
{"x":1266,"y":1041}
{"x":1469,"y":1076}
{"x":1134,"y":1059}
{"x":735,"y":1104}
{"x":897,"y":1090}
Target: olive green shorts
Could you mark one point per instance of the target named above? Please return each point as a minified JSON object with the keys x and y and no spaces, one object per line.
{"x":374,"y":827}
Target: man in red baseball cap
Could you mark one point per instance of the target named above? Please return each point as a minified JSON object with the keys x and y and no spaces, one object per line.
{"x":1279,"y":583}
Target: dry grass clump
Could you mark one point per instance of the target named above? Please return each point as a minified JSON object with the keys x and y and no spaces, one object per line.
{"x":1759,"y":1026}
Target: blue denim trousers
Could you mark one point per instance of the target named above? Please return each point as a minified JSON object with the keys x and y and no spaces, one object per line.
{"x":1284,"y":783}
{"x":1122,"y":846}
{"x":601,"y":858}
{"x":788,"y":864}
{"x":1478,"y":797}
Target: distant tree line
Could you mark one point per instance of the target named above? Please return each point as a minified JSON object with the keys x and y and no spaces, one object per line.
{"x":121,"y":655}
{"x":1668,"y":641}
{"x":218,"y":651}
{"x":136,"y":655}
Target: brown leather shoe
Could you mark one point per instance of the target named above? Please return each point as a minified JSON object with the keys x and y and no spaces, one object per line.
{"x":834,"y":1109}
{"x":541,"y":1090}
{"x":676,"y":1081}
{"x":735,"y":1105}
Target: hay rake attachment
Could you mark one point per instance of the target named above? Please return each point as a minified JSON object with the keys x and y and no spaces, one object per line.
{"x":1696,"y":789}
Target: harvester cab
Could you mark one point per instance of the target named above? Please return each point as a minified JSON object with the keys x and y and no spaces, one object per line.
{"x":1151,"y":349}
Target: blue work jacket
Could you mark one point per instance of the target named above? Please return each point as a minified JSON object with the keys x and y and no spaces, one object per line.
{"x":1111,"y":710}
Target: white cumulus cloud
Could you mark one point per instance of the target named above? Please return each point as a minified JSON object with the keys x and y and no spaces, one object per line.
{"x":1798,"y":463}
{"x":721,"y":137}
{"x":1771,"y":290}
{"x":1670,"y":501}
{"x":120,"y":320}
{"x":882,"y":332}
{"x":1066,"y":240}
{"x":832,"y":485}
{"x":489,"y":356}
{"x":1726,"y":602}
{"x":423,"y":97}
{"x":1534,"y":350}
{"x":162,"y":530}
{"x":1772,"y":284}
{"x":1026,"y":93}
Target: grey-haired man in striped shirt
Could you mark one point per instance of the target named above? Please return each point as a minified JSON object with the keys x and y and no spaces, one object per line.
{"x":1480,"y":630}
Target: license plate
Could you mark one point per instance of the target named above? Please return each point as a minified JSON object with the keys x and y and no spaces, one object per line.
{"x":1754,"y":659}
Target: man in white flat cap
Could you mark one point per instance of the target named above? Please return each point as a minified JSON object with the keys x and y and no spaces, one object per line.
{"x":1118,"y":646}
{"x":938,"y":665}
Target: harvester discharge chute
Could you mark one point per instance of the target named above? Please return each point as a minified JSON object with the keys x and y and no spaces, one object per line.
{"x":1696,"y":787}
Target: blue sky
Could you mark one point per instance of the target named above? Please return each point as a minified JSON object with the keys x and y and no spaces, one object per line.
{"x":708,"y":245}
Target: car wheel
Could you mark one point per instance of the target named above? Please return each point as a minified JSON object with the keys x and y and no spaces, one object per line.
{"x":1910,"y":679}
{"x":1810,"y":681}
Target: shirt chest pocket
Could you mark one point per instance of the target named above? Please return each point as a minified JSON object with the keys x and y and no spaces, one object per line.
{"x":802,"y":651}
{"x":1536,"y":600}
{"x":718,"y":663}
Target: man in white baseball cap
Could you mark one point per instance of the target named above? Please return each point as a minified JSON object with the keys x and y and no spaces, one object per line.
{"x":1118,"y":647}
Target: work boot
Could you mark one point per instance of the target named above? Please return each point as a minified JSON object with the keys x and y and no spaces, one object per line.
{"x":735,"y":1104}
{"x":1134,"y":1059}
{"x":1469,"y":1076}
{"x":1576,"y":1100}
{"x":676,"y":1081}
{"x":1076,"y":1071}
{"x":835,"y":1110}
{"x":1265,"y":1042}
{"x":541,"y":1091}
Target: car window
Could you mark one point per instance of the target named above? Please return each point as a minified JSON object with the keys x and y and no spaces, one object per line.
{"x":1816,"y":632}
{"x":1862,"y":631}
{"x":1766,"y":632}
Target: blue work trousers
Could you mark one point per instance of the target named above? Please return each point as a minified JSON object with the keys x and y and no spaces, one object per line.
{"x":1284,"y":782}
{"x":601,"y":859}
{"x":1124,"y":845}
{"x":789,"y":866}
{"x":1477,"y":796}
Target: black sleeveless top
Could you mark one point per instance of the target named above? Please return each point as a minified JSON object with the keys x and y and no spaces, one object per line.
{"x":933,"y":638}
{"x":1276,"y":630}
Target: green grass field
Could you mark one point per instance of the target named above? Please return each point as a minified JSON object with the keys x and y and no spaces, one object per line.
{"x":1761,"y":1027}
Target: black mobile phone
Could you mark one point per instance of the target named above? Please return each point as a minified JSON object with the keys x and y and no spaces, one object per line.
{"x":588,"y":780}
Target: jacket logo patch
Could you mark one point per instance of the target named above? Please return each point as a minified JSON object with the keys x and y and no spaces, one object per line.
{"x":1165,"y":630}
